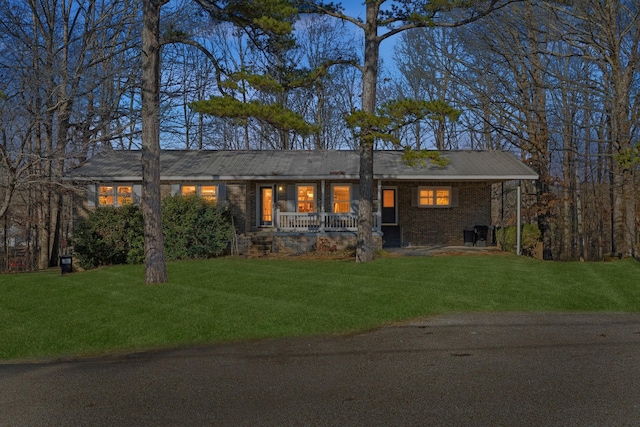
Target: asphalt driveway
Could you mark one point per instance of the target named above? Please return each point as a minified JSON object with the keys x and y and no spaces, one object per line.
{"x":452,"y":370}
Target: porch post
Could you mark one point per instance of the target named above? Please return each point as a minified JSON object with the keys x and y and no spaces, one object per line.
{"x":518,"y":220}
{"x":322,"y":202}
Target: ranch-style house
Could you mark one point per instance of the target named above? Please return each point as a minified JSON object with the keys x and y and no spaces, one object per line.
{"x":290,"y":201}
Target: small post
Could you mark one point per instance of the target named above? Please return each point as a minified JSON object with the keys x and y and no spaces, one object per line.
{"x":519,"y":220}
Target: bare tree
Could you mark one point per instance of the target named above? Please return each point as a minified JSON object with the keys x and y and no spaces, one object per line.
{"x":429,"y":61}
{"x":508,"y":84}
{"x":321,"y":38}
{"x":608,"y":35}
{"x":56,"y":57}
{"x":557,"y":83}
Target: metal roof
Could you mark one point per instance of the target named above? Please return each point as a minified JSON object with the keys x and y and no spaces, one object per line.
{"x":194,"y":165}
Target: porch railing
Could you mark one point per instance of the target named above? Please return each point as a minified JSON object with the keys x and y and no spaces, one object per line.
{"x":320,"y":221}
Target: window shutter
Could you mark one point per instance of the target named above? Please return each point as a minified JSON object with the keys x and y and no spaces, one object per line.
{"x":355,"y":198}
{"x":414,"y":197}
{"x":137,"y":194}
{"x":92,"y":196}
{"x":175,"y":189}
{"x":222,"y":193}
{"x":454,"y":197}
{"x":291,"y":198}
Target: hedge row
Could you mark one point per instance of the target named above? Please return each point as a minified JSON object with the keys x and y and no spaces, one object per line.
{"x":192,"y":228}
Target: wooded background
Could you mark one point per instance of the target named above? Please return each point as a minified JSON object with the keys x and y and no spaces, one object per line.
{"x":556,"y":83}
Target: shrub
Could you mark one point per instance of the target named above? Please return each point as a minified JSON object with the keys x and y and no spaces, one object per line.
{"x":109,"y":236}
{"x":530,"y":237}
{"x":192,"y":228}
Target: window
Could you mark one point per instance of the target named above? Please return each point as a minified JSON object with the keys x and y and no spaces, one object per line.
{"x":425,"y":197}
{"x":388,"y":198}
{"x":115,"y":195}
{"x":434,"y":196}
{"x":306,"y":198}
{"x":106,"y":195}
{"x":207,"y":192}
{"x":341,"y":198}
{"x":188,"y":190}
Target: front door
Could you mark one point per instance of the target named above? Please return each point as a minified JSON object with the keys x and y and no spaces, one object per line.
{"x":265,"y":208}
{"x":389,"y":206}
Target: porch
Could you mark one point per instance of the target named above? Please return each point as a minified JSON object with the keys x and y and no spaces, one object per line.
{"x":304,"y":233}
{"x":320,"y":222}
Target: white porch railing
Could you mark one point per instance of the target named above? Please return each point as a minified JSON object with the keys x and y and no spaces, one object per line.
{"x":320,"y":221}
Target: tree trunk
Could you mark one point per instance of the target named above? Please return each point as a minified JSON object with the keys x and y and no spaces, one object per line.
{"x":155,"y":265}
{"x":364,"y":249}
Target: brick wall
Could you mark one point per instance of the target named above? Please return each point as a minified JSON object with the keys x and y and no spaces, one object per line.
{"x":432,"y":226}
{"x":420,"y":226}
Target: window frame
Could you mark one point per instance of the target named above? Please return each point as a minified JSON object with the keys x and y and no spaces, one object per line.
{"x":116,"y":194}
{"x":198,"y":191}
{"x":348,"y":201}
{"x":434,"y":196}
{"x":315,"y":197}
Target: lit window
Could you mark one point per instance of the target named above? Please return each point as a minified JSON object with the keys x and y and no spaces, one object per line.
{"x":434,"y":196}
{"x":342,"y":199}
{"x":443,"y":197}
{"x":306,"y":198}
{"x":188,"y":190}
{"x":207,"y":192}
{"x":112,"y":195}
{"x":426,"y":197}
{"x":106,"y":196}
{"x":388,"y":198}
{"x":124,"y":195}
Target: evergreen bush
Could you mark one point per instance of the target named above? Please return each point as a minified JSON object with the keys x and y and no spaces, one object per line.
{"x":530,"y":237}
{"x":192,"y":227}
{"x":109,"y":235}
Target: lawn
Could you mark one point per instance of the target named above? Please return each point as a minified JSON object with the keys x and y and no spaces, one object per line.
{"x":228,"y":299}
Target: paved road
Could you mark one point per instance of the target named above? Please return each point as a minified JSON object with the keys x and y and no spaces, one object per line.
{"x":451,"y":370}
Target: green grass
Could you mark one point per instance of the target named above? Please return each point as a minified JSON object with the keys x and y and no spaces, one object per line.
{"x":229,"y":299}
